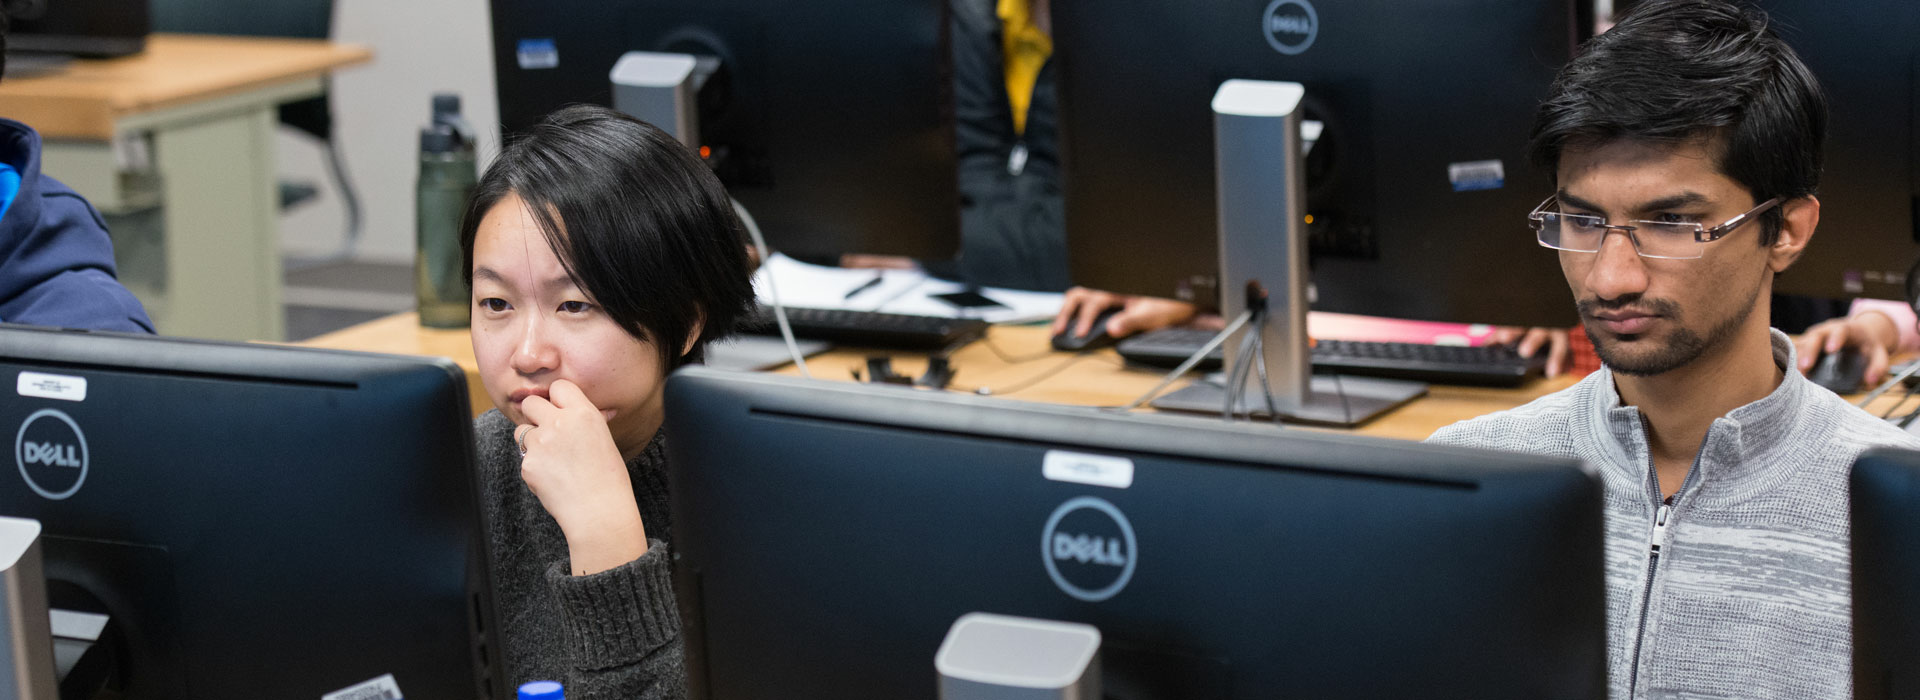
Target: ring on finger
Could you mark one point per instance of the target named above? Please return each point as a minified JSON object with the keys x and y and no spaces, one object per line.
{"x":520,"y":440}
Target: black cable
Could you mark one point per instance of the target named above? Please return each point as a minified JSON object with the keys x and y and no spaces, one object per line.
{"x":1896,"y":406}
{"x":1189,"y":363}
{"x":1004,"y":357}
{"x":1898,"y":379}
{"x":1908,"y":420}
{"x":1030,"y":381}
{"x":1340,"y":389}
{"x":956,"y":345}
{"x":1887,"y":415}
{"x":1227,"y":374}
{"x":1266,"y":385}
{"x":1237,"y":375}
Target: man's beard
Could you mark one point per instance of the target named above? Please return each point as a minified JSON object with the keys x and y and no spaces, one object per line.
{"x":1683,"y":346}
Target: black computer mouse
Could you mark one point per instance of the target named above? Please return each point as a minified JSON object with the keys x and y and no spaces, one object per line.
{"x":1095,"y":339}
{"x":1840,"y":372}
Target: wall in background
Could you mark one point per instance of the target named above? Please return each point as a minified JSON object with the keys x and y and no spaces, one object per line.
{"x":420,"y":47}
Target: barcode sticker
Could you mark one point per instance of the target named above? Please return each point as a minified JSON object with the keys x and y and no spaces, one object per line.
{"x":1082,"y":468}
{"x":382,"y":688}
{"x":51,"y":386}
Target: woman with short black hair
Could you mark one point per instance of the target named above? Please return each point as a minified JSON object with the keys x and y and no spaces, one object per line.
{"x":602,"y":254}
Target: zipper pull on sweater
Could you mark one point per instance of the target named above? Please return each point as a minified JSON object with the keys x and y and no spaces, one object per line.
{"x":1659,"y":537}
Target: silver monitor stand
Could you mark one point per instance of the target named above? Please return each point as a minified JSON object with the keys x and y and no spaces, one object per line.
{"x":1263,"y":260}
{"x":26,"y":652}
{"x":662,"y":89}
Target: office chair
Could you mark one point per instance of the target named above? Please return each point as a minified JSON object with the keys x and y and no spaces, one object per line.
{"x":303,"y":19}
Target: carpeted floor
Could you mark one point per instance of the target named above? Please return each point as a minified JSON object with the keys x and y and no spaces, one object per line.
{"x":325,"y":298}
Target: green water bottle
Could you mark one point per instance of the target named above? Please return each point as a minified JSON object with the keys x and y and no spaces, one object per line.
{"x":447,"y":177}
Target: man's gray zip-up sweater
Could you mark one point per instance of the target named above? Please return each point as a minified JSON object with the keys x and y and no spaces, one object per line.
{"x":1748,"y":596}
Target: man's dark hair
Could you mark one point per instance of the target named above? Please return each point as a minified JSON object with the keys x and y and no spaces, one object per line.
{"x":1694,"y":70}
{"x":639,"y":222}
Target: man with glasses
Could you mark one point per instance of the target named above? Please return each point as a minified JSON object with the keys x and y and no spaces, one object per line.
{"x":1686,"y":147}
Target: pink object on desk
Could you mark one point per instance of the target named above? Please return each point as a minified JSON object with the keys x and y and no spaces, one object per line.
{"x":1332,"y":326}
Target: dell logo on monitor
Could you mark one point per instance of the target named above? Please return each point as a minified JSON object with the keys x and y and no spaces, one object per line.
{"x":1084,"y":549}
{"x":1089,"y":549}
{"x":1283,"y":25}
{"x":1291,"y":25}
{"x":51,"y":453}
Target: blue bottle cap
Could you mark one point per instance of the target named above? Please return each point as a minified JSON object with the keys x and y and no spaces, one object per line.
{"x":541,"y":690}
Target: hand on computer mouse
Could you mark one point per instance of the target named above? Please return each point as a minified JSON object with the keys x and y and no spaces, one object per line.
{"x":1137,"y":314}
{"x":1096,"y":336}
{"x":1526,"y":342}
{"x":1872,"y":335}
{"x":1840,"y":371}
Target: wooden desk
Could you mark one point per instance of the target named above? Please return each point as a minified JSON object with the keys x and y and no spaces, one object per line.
{"x":1099,"y":379}
{"x":1096,"y":379}
{"x":205,"y":109}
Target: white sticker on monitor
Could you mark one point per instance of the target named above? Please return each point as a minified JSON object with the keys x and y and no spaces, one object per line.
{"x":1093,"y":470}
{"x":382,"y":688}
{"x":52,"y":386}
{"x":1477,"y":175}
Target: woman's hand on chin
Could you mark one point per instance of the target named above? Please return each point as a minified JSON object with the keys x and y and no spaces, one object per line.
{"x":572,"y":465}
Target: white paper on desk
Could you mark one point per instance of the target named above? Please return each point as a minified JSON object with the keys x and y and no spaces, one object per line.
{"x":821,"y":287}
{"x":1020,"y":306}
{"x":898,"y":292}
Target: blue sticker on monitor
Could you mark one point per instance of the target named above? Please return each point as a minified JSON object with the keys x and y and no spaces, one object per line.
{"x":535,"y":54}
{"x":1477,"y":175}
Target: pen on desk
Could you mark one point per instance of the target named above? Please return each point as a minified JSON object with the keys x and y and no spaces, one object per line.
{"x":864,"y":286}
{"x":921,"y":280}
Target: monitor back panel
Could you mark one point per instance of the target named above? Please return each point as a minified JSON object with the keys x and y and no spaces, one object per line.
{"x":257,"y":520}
{"x":827,"y":537}
{"x":1865,"y":59}
{"x":831,"y":122}
{"x":1419,"y":180}
{"x":1885,"y":495}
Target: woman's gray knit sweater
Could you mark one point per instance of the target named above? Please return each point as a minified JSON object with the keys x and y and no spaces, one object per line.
{"x":614,"y":634}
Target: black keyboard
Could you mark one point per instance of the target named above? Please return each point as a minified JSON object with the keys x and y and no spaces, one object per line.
{"x":868,"y":328}
{"x":1439,"y":364}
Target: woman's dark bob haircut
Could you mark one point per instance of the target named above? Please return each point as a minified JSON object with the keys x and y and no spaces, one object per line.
{"x":1708,"y":71}
{"x":640,"y":224}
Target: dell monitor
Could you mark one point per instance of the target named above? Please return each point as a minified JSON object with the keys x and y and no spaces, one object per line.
{"x":255,"y":521}
{"x":827,"y":535}
{"x":1417,"y":180}
{"x":831,"y":121}
{"x":1885,"y":498}
{"x":1864,"y":56}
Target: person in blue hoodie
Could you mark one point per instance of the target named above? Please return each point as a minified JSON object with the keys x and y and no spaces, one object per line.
{"x":56,"y":261}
